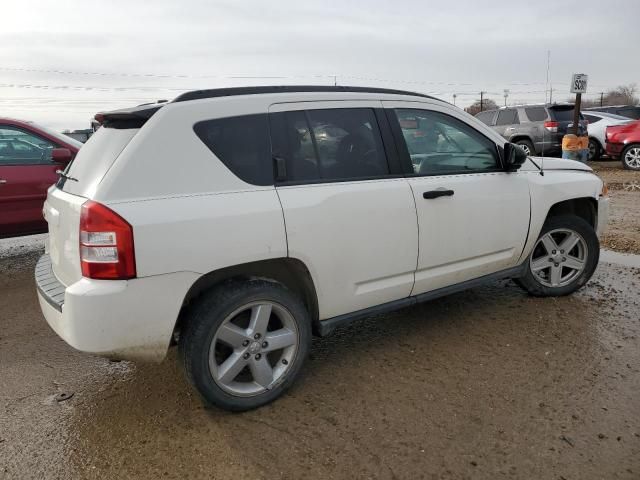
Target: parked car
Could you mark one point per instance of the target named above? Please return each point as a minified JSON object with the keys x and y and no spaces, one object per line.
{"x":29,"y":157}
{"x":538,"y":129}
{"x":257,"y":238}
{"x":598,"y":123}
{"x":623,"y":142}
{"x":628,"y":111}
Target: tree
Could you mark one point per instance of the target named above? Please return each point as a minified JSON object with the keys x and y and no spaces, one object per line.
{"x":487,"y":104}
{"x":621,"y":95}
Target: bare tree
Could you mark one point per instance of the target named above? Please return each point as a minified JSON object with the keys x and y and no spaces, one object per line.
{"x":487,"y":104}
{"x":621,"y":95}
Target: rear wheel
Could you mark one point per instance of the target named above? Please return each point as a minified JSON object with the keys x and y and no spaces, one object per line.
{"x":527,"y":146}
{"x":595,"y":150}
{"x":245,"y":343}
{"x":563,"y":259}
{"x":631,"y":157}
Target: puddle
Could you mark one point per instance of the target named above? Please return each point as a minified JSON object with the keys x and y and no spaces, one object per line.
{"x":624,"y":259}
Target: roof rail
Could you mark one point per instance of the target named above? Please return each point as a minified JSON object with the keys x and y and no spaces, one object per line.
{"x":233,"y":91}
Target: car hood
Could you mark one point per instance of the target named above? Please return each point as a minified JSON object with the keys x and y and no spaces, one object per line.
{"x":548,"y":163}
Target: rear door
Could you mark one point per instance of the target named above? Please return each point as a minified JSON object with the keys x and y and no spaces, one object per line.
{"x":507,"y":122}
{"x":26,"y":172}
{"x":473,"y":217}
{"x":349,"y":212}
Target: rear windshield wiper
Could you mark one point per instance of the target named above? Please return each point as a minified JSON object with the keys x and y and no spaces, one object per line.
{"x":64,"y":175}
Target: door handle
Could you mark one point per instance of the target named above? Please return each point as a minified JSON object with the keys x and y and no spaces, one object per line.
{"x":2,"y":181}
{"x":437,"y":193}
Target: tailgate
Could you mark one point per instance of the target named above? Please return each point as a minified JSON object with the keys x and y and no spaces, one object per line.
{"x":62,"y":212}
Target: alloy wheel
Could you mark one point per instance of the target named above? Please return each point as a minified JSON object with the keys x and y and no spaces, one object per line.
{"x":254,"y":348}
{"x":526,"y":148}
{"x":558,"y":258}
{"x":632,"y":158}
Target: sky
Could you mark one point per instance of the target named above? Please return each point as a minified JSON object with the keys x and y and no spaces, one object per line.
{"x":63,"y":61}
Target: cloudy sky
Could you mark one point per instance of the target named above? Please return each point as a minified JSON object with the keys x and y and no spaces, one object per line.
{"x":62,"y":61}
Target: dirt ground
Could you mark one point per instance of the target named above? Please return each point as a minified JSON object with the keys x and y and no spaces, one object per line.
{"x":623,"y":233}
{"x":486,"y":384}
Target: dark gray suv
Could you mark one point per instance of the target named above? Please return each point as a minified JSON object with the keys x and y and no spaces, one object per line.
{"x":538,"y":129}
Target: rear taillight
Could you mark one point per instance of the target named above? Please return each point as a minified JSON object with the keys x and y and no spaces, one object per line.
{"x":551,"y":126}
{"x":106,"y":244}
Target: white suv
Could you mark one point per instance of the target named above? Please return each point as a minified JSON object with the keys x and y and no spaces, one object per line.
{"x":237,"y":222}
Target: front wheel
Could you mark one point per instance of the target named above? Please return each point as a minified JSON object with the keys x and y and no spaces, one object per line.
{"x":631,"y":157}
{"x":563,"y":259}
{"x":245,"y":343}
{"x":594,"y":150}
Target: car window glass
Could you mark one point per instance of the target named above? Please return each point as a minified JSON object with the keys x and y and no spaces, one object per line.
{"x":242,"y":144}
{"x":629,"y":112}
{"x":507,"y":117}
{"x":333,"y":144}
{"x":438,"y":143}
{"x":485,"y":117}
{"x":536,"y":114}
{"x":18,"y":147}
{"x":591,"y":118}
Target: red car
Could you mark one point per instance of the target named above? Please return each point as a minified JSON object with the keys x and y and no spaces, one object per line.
{"x":29,"y":157}
{"x":623,"y":142}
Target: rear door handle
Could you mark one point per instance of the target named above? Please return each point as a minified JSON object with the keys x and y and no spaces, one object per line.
{"x":437,"y":193}
{"x":2,"y":180}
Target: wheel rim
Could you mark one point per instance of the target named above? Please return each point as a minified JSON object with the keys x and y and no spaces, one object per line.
{"x":592,"y":149}
{"x":254,"y":348}
{"x":632,"y":157}
{"x":526,"y":148}
{"x":559,"y":257}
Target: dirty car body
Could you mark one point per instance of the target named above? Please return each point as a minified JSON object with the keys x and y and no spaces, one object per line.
{"x":298,"y":209}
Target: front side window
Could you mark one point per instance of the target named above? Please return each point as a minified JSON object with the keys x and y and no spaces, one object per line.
{"x":242,"y":144}
{"x":507,"y":117}
{"x":331,"y":144}
{"x":18,"y":147}
{"x":440,"y":144}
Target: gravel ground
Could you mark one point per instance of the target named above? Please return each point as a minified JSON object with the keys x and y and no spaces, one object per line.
{"x":489,"y":383}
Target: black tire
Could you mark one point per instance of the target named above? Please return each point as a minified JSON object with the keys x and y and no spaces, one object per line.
{"x":530,"y":282}
{"x":527,"y":147}
{"x":636,"y":165}
{"x":595,"y":149}
{"x":209,"y":313}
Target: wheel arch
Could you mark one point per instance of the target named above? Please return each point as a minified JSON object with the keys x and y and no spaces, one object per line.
{"x":290,"y":272}
{"x":583,"y":207}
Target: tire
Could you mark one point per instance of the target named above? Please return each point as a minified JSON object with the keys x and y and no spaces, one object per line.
{"x":539,"y":278}
{"x":527,"y":146}
{"x":223,"y":350}
{"x":631,"y":157}
{"x":595,"y":150}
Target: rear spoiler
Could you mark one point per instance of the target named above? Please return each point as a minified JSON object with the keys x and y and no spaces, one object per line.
{"x":133,"y":117}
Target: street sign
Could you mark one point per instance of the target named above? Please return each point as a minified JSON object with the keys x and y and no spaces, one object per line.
{"x":579,"y":83}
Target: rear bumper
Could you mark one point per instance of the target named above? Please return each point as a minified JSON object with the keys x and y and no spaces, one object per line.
{"x":603,"y":215}
{"x":122,"y":319}
{"x":614,"y":149}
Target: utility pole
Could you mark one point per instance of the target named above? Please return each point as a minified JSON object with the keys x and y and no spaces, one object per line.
{"x":335,"y":80}
{"x":601,"y":98}
{"x":481,"y":101}
{"x":454,"y":99}
{"x":506,"y":94}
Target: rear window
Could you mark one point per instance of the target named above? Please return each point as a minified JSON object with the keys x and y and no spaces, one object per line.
{"x":536,"y":114}
{"x":242,"y":144}
{"x":562,"y":114}
{"x":94,"y":159}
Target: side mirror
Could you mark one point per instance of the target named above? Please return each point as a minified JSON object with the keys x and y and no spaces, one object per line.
{"x":61,"y":155}
{"x":514,"y":157}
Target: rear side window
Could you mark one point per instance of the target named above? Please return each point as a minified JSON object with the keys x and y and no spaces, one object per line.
{"x":485,"y":117}
{"x":330,"y":144}
{"x":536,"y":114}
{"x":507,"y":117}
{"x":562,"y":114}
{"x":592,"y":119}
{"x":242,"y":144}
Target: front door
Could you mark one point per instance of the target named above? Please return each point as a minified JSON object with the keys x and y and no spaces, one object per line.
{"x":349,"y":212}
{"x":473,"y":217}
